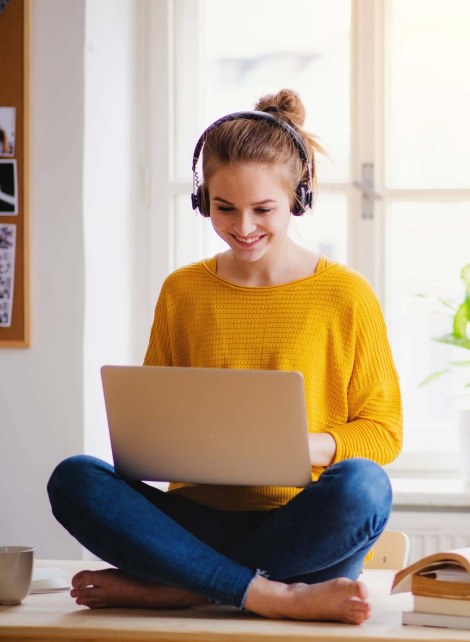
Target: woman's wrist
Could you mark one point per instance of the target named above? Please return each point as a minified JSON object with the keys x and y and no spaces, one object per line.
{"x":322,"y":447}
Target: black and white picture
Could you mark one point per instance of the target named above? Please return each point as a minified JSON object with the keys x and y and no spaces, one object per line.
{"x":7,"y":272}
{"x":8,"y":188}
{"x":7,"y":131}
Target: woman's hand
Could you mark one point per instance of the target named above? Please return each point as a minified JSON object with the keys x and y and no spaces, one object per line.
{"x":322,"y":448}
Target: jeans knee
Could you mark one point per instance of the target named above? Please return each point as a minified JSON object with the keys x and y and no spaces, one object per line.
{"x":362,"y":482}
{"x":70,"y":474}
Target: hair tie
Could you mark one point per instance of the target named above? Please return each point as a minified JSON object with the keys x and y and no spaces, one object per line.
{"x":272,"y":110}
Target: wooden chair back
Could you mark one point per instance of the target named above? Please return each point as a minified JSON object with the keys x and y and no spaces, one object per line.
{"x":391,"y":551}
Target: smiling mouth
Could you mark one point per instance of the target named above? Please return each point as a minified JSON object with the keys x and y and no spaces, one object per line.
{"x":247,"y":240}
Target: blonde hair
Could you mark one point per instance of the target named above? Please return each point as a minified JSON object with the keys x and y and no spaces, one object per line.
{"x":257,"y":141}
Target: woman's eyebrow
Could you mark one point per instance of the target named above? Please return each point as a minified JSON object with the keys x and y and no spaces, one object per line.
{"x":263,"y":202}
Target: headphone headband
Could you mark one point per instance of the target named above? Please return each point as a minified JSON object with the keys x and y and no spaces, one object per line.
{"x":253,"y":115}
{"x":304,"y":193}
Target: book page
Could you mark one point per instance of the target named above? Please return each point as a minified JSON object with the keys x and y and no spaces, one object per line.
{"x":430,"y":564}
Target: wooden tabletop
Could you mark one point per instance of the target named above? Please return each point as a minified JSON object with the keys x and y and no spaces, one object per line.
{"x":56,"y":618}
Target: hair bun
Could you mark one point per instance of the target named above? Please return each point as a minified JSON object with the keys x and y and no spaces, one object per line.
{"x":286,"y":104}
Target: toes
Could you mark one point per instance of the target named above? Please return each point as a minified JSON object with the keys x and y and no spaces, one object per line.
{"x":91,"y":603}
{"x":88,"y":592}
{"x":357,"y":606}
{"x":357,"y":612}
{"x":356,"y":618}
{"x":361,"y":590}
{"x":82,"y":579}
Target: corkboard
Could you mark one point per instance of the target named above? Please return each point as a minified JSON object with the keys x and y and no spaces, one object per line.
{"x":14,"y":159}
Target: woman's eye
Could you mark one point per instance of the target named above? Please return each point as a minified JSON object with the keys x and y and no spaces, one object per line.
{"x":263,"y":210}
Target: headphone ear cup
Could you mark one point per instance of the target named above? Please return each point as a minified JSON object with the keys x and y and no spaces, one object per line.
{"x":203,"y":201}
{"x":303,"y":199}
{"x":200,"y":201}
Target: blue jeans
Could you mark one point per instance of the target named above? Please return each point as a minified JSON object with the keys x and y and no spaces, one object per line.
{"x":323,"y":533}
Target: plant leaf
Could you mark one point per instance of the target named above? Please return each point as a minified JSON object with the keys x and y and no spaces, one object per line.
{"x":448,"y":303}
{"x":461,"y":342}
{"x":461,"y":319}
{"x":433,"y":376}
{"x":459,"y":364}
{"x":465,"y":276}
{"x":445,"y":302}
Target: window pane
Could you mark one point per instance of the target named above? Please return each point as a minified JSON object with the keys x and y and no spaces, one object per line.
{"x":194,"y":235}
{"x":256,"y":47}
{"x":428,"y":99}
{"x":427,"y":245}
{"x":325,"y":229}
{"x":187,"y":88}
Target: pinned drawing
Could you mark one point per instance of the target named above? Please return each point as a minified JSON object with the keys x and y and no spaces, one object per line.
{"x":7,"y":273}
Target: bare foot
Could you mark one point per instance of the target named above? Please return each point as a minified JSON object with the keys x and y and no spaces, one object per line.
{"x":113,"y":588}
{"x":339,"y":600}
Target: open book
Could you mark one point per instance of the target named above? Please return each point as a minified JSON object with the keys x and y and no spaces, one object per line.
{"x":49,"y":580}
{"x":437,"y":573}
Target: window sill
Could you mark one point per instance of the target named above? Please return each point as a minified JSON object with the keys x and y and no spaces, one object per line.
{"x":445,"y":494}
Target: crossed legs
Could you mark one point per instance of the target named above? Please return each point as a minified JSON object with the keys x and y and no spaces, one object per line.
{"x":172,"y":553}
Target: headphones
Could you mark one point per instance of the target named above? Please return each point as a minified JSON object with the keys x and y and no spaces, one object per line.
{"x":303,"y":192}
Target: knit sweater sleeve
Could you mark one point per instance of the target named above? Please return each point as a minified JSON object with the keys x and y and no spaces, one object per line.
{"x":374,"y":428}
{"x":159,"y":346}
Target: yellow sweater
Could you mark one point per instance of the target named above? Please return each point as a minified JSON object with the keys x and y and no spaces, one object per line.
{"x":329,"y":326}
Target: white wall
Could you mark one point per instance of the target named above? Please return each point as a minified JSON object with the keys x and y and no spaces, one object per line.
{"x":115,"y":222}
{"x":86,"y":227}
{"x":42,"y":387}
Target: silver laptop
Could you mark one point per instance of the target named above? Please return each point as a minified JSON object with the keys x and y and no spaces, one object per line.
{"x":208,"y":425}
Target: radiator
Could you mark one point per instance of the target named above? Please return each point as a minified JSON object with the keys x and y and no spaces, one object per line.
{"x":430,"y":532}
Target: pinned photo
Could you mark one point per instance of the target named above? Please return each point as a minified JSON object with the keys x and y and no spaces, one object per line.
{"x":7,"y":273}
{"x":6,"y":288}
{"x":7,"y":131}
{"x":3,"y":4}
{"x":8,"y":188}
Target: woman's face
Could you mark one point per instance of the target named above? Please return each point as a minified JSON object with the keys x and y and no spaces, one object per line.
{"x":250,"y":208}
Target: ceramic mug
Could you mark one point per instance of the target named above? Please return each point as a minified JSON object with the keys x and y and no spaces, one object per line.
{"x":16,"y":572}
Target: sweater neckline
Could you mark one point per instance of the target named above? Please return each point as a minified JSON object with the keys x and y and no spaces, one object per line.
{"x":210,"y":264}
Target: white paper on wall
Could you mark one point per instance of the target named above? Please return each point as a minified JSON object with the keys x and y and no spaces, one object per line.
{"x":7,"y":272}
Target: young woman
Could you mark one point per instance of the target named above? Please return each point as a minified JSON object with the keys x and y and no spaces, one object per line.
{"x":265,"y":303}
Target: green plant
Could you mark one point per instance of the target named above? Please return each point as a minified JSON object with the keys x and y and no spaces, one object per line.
{"x":459,"y":336}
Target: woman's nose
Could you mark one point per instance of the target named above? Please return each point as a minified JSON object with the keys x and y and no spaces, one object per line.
{"x":245,"y":224}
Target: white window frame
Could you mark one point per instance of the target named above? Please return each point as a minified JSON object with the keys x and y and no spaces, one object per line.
{"x":366,"y":237}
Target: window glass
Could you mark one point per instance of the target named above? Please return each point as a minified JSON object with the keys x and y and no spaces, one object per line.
{"x":423,"y":276}
{"x":325,"y":228}
{"x":194,"y":234}
{"x":256,"y":47}
{"x":428,"y":98}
